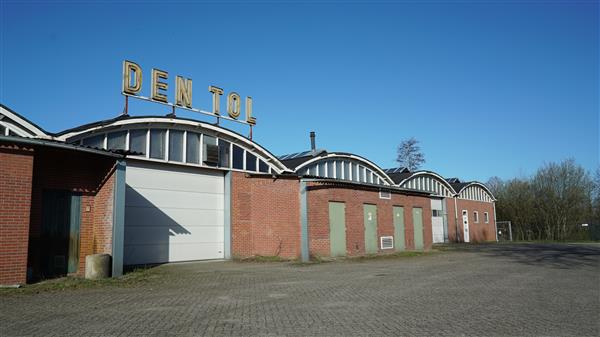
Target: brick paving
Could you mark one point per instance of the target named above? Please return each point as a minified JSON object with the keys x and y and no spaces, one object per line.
{"x":489,"y":290}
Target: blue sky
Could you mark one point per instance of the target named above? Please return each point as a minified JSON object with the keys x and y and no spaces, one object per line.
{"x":488,"y":87}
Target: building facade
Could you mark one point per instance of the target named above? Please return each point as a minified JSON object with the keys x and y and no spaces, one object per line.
{"x":160,"y":189}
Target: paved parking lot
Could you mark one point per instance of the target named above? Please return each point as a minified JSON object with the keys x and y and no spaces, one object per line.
{"x":492,"y":290}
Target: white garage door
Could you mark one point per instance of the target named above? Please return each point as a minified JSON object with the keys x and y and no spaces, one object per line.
{"x":172,"y":213}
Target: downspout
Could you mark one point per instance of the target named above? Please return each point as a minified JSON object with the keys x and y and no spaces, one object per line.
{"x":495,"y":223}
{"x":304,"y":245}
{"x":456,"y":219}
{"x":118,"y":226}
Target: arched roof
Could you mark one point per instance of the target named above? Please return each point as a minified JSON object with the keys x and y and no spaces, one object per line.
{"x":175,"y":122}
{"x":324,"y":155}
{"x":432,"y":174}
{"x":19,"y":124}
{"x":464,"y":186}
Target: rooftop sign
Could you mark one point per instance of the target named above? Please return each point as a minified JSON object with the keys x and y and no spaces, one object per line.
{"x":132,"y":86}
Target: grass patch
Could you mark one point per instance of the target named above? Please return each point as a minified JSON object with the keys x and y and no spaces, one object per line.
{"x":396,"y":255}
{"x":262,"y":259}
{"x":314,"y":259}
{"x":131,"y":279}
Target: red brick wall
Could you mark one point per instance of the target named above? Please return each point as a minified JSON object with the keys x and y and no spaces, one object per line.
{"x":85,"y":173}
{"x":478,"y":232}
{"x":451,"y":216}
{"x":265,"y":216}
{"x":16,"y":167}
{"x":96,"y":224}
{"x":319,"y":197}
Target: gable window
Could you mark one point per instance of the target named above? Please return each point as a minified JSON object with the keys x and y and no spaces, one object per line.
{"x":330,"y":168}
{"x":192,"y":154}
{"x":157,"y":143}
{"x":250,"y":162}
{"x":176,"y":145}
{"x":224,"y":147}
{"x":116,"y":140}
{"x":347,"y":170}
{"x":263,"y":167}
{"x":338,"y":169}
{"x":475,"y":216}
{"x":137,"y":141}
{"x":238,"y":157}
{"x":486,"y":217}
{"x":95,"y":141}
{"x":210,"y":143}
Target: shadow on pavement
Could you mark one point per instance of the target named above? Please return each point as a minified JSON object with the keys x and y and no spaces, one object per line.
{"x":564,"y":256}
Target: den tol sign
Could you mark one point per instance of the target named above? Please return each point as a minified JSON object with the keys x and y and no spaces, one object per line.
{"x":132,"y":86}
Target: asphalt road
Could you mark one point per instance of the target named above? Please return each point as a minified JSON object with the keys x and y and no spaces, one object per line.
{"x":490,"y":290}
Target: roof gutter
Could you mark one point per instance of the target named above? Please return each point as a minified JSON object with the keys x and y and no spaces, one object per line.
{"x":64,"y":146}
{"x":366,"y":185}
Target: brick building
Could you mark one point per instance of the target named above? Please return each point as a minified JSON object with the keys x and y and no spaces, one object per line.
{"x":159,"y":189}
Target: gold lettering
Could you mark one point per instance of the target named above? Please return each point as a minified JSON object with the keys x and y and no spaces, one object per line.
{"x":249,"y":119}
{"x":183,"y":91}
{"x":157,"y":86}
{"x":234,"y":105}
{"x":217,"y":92}
{"x":128,"y":87}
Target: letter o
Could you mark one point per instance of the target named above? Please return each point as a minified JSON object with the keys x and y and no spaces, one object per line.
{"x":234,"y":105}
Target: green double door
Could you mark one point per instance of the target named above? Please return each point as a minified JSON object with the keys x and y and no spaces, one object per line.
{"x":370,"y":218}
{"x":61,"y":214}
{"x":337,"y":228}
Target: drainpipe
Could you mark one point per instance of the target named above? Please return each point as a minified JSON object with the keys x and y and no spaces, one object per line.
{"x":495,"y":223}
{"x":304,"y":240}
{"x":456,"y":218}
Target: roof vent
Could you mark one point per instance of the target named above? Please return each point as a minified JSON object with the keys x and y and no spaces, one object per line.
{"x":313,"y":145}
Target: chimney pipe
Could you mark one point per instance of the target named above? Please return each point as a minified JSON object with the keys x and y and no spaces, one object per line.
{"x":312,"y":141}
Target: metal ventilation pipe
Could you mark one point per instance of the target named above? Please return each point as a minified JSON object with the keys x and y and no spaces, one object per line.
{"x":312,"y":141}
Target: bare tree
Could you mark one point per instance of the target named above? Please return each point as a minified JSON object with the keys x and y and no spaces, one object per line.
{"x":552,"y":204}
{"x":495,"y":184}
{"x":410,"y":155}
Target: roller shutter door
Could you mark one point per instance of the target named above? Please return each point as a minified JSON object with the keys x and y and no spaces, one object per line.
{"x":172,"y":213}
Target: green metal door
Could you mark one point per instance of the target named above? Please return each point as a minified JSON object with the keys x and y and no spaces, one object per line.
{"x":337,"y":228}
{"x":60,"y":232}
{"x":417,"y":214}
{"x":370,"y":215}
{"x":399,"y":228}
